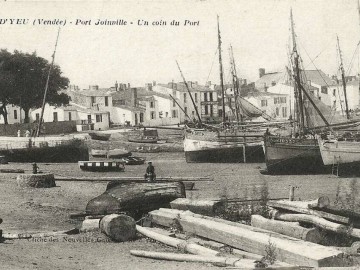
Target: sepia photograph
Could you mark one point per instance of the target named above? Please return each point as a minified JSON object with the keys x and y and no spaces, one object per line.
{"x":184,"y":134}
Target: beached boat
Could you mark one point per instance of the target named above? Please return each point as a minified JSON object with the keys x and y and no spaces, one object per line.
{"x":99,"y":136}
{"x":99,"y":153}
{"x":102,"y":166}
{"x":118,"y":153}
{"x":144,"y":136}
{"x":52,"y":151}
{"x":133,"y":160}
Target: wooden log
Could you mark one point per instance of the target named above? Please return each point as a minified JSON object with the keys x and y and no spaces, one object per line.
{"x":292,"y":229}
{"x":218,"y":261}
{"x":320,"y":222}
{"x":302,"y":207}
{"x":36,"y":180}
{"x":119,"y":228}
{"x":89,"y":225}
{"x":255,"y":240}
{"x":125,"y":179}
{"x":39,"y":234}
{"x":177,"y":243}
{"x":204,"y":207}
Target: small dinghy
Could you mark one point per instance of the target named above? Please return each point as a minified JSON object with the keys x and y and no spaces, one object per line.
{"x":134,"y":160}
{"x":99,"y":153}
{"x":99,"y":136}
{"x":102,"y":166}
{"x":118,"y":153}
{"x":145,"y":136}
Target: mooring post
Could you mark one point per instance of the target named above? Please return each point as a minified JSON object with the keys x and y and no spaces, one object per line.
{"x":292,"y":193}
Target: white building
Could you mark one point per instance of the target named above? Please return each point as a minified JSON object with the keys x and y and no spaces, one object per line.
{"x":14,"y":115}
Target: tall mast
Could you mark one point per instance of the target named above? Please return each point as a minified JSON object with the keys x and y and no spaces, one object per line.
{"x":191,"y":97}
{"x":236,"y":86}
{"x":221,"y":74}
{"x":47,"y":86}
{"x":297,"y":86}
{"x":343,"y":79}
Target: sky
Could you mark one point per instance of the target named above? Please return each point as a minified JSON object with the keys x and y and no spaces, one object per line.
{"x":257,"y":30}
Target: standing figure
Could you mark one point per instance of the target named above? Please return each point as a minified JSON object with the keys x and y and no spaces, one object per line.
{"x":150,"y":175}
{"x":35,"y":168}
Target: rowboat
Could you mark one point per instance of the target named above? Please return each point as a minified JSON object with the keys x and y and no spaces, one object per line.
{"x":101,"y":166}
{"x":134,"y":160}
{"x":99,"y":136}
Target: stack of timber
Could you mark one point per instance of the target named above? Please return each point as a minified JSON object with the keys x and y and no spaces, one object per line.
{"x":317,"y":213}
{"x":135,"y":198}
{"x":251,"y":239}
{"x":198,"y":252}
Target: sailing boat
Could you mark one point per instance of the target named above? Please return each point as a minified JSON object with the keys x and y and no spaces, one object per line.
{"x":225,"y":144}
{"x":299,"y":153}
{"x":341,"y":153}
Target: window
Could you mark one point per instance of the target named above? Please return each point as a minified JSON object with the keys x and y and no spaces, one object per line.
{"x":334,"y":92}
{"x":193,"y":113}
{"x":15,"y":114}
{"x":185,"y":109}
{"x":220,"y":112}
{"x":106,"y":101}
{"x":37,"y":117}
{"x":174,"y":113}
{"x":324,"y":89}
{"x":166,"y":114}
{"x":152,"y":115}
{"x":276,"y":100}
{"x":93,"y":99}
{"x":206,"y":110}
{"x":196,"y":97}
{"x":98,"y":118}
{"x":160,"y":114}
{"x":55,"y":116}
{"x":263,"y":103}
{"x":89,"y":118}
{"x":141,"y":117}
{"x":277,"y":111}
{"x":284,"y":112}
{"x":184,"y":97}
{"x":69,"y":116}
{"x":211,"y":96}
{"x":211,"y":110}
{"x":205,"y":96}
{"x":152,"y":104}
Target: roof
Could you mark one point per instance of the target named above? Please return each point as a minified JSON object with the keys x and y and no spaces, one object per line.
{"x":78,"y":108}
{"x":129,"y":108}
{"x":95,"y":93}
{"x":318,"y":77}
{"x":182,"y":87}
{"x":146,"y":93}
{"x":268,"y":78}
{"x":263,"y":94}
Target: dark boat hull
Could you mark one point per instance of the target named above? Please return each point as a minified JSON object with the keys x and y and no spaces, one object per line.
{"x":99,"y":136}
{"x":63,"y":153}
{"x":226,"y":155}
{"x":135,"y":140}
{"x":292,"y":156}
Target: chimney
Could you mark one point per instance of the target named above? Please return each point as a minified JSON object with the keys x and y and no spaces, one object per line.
{"x":133,"y":97}
{"x":93,"y":87}
{"x":154,"y":83}
{"x":129,"y":85}
{"x":208,"y":83}
{"x":261,"y":72}
{"x":244,"y":82}
{"x":116,"y":86}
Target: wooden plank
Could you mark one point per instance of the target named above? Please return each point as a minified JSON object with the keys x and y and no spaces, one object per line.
{"x":292,"y":229}
{"x":204,"y":207}
{"x":130,"y":179}
{"x":302,"y":207}
{"x":321,"y":222}
{"x":288,"y":249}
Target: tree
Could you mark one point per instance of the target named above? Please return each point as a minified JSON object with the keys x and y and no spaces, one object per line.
{"x":6,"y":82}
{"x":29,"y":73}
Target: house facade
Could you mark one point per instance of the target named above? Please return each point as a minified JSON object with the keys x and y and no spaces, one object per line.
{"x":14,"y":115}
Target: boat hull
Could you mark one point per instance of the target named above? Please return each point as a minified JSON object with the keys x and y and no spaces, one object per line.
{"x":201,"y":151}
{"x":99,"y":136}
{"x":63,"y":153}
{"x":344,"y":154}
{"x":285,"y":155}
{"x":102,"y":166}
